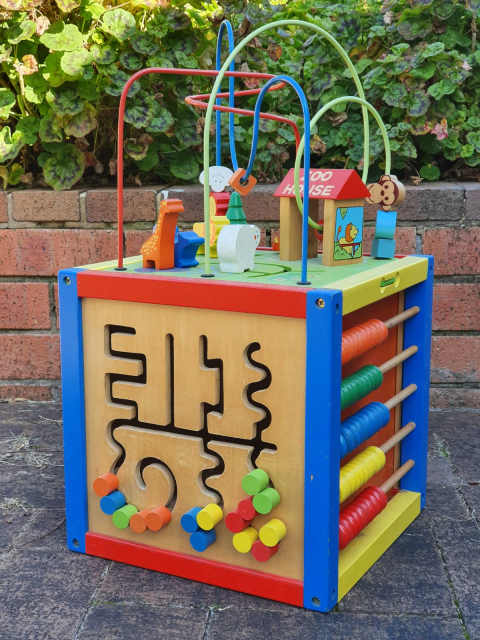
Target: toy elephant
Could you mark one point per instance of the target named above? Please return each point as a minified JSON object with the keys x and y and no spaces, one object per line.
{"x":236,"y":247}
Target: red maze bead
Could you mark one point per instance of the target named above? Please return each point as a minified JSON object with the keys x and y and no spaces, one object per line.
{"x":359,"y":513}
{"x":362,"y":338}
{"x":246,"y":509}
{"x":235,"y":523}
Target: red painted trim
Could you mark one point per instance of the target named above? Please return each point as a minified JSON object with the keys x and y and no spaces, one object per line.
{"x":199,"y":293}
{"x":219,"y":574}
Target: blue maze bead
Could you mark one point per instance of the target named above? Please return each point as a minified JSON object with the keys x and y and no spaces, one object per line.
{"x":112,"y":502}
{"x":188,"y":521}
{"x":362,"y":425}
{"x":201,"y":540}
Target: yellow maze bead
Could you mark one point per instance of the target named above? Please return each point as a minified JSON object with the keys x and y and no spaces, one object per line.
{"x":209,"y":516}
{"x":359,"y":470}
{"x":244,"y":540}
{"x":272,"y":532}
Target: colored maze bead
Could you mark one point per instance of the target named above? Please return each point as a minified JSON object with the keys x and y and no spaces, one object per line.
{"x":138,"y":521}
{"x":112,"y":502}
{"x":255,"y":481}
{"x":272,"y":532}
{"x":244,"y":540}
{"x":266,"y":500}
{"x":362,"y":425}
{"x":362,"y":338}
{"x":359,"y":470}
{"x":359,"y":513}
{"x":158,"y":518}
{"x":246,"y":509}
{"x":359,"y":385}
{"x":105,"y":484}
{"x":235,"y":523}
{"x":262,"y":553}
{"x":201,"y":540}
{"x":188,"y":521}
{"x":209,"y":516}
{"x":122,"y":516}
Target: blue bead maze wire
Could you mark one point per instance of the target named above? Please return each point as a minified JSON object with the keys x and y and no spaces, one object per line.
{"x":231,"y":98}
{"x":306,"y":159}
{"x":362,"y":425}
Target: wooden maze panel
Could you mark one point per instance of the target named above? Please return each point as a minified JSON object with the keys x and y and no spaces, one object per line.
{"x":180,"y":402}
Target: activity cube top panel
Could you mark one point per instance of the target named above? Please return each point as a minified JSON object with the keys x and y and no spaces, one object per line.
{"x":361,"y":283}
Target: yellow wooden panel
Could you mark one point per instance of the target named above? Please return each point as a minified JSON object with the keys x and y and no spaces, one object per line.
{"x":357,"y":558}
{"x":370,"y":286}
{"x":225,"y":336}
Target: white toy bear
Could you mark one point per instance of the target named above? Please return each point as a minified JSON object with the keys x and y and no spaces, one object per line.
{"x":236,"y":245}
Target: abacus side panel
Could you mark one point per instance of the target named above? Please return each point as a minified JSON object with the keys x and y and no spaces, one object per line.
{"x":71,"y":353}
{"x":322,"y":448}
{"x":416,"y":370}
{"x":218,"y":574}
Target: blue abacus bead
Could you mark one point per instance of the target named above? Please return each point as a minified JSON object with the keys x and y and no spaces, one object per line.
{"x":383,"y":248}
{"x":188,"y":521}
{"x":385,"y":224}
{"x":362,"y":425}
{"x":112,"y":502}
{"x":201,"y":540}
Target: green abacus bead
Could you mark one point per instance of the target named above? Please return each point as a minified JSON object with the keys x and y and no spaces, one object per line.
{"x":266,"y":500}
{"x":359,"y":385}
{"x":121,"y":517}
{"x":255,"y":481}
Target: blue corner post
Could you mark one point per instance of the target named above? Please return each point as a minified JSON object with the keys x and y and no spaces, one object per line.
{"x":418,"y":331}
{"x":322,"y":448}
{"x":71,"y":351}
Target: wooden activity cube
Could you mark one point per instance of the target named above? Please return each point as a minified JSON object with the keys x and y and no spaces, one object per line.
{"x":180,"y":385}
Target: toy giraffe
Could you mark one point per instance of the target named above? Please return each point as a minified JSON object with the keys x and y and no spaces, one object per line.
{"x":158,"y":250}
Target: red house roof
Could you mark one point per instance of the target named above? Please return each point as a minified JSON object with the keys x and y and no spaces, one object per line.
{"x":326,"y":184}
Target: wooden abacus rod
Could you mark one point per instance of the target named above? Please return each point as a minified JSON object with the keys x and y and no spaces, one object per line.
{"x":397,"y":475}
{"x":400,"y":396}
{"x":401,"y":317}
{"x":398,"y":359}
{"x":397,"y":437}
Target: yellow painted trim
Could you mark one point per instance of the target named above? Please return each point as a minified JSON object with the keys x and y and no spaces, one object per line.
{"x":365,"y":287}
{"x":375,"y":539}
{"x":110,"y":264}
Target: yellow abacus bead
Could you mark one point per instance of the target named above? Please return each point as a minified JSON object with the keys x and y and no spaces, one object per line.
{"x":359,"y":470}
{"x":209,"y":516}
{"x":244,"y":540}
{"x":272,"y":532}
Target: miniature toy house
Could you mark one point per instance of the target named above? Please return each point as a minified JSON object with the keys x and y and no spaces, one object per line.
{"x":344,"y":194}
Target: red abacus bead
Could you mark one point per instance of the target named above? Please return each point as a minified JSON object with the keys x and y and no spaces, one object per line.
{"x":246,"y":509}
{"x":359,"y":513}
{"x":235,"y":523}
{"x":261,"y":552}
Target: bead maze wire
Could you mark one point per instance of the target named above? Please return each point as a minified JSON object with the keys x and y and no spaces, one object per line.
{"x":214,"y":104}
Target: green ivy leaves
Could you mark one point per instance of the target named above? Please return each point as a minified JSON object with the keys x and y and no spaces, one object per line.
{"x":119,"y":23}
{"x":62,"y":37}
{"x":63,"y":168}
{"x":10,"y":144}
{"x":7,"y":102}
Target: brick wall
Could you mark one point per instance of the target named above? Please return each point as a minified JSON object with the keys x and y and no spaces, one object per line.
{"x":42,"y":232}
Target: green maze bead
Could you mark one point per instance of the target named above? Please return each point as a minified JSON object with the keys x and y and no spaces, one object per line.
{"x":122,"y":516}
{"x":255,"y":481}
{"x":266,"y":500}
{"x":359,"y":385}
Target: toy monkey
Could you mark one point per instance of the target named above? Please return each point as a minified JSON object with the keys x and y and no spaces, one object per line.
{"x":386,"y":192}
